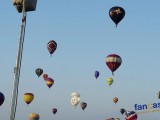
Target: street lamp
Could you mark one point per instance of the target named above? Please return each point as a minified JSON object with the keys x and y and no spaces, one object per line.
{"x":22,"y":6}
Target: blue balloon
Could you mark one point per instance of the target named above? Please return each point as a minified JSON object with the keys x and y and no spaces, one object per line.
{"x":96,"y":74}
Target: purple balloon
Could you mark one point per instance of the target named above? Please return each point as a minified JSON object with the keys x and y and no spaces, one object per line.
{"x":54,"y":110}
{"x":1,"y":98}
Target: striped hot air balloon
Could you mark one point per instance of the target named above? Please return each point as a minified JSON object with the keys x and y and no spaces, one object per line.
{"x":51,"y":46}
{"x":113,"y":62}
{"x":28,"y":97}
{"x":49,"y":82}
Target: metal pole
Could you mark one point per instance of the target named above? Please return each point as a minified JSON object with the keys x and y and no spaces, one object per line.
{"x":18,"y":66}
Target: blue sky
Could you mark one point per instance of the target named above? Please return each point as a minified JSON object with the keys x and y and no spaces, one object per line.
{"x":85,"y":35}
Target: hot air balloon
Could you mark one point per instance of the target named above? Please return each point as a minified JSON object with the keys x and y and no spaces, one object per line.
{"x":117,"y":119}
{"x":2,"y":98}
{"x":110,"y":119}
{"x":110,"y":81}
{"x":49,"y":82}
{"x":51,"y":46}
{"x":115,"y":100}
{"x":116,"y":14}
{"x":122,"y":111}
{"x":39,"y":72}
{"x":54,"y":110}
{"x":131,"y":115}
{"x":34,"y":116}
{"x":45,"y":76}
{"x":75,"y":99}
{"x":113,"y":62}
{"x":83,"y":105}
{"x":28,"y":97}
{"x":96,"y":74}
{"x":158,"y":94}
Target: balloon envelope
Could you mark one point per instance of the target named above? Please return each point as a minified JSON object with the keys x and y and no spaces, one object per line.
{"x":2,"y":98}
{"x":115,"y":100}
{"x":113,"y":62}
{"x":96,"y":74}
{"x":49,"y":82}
{"x":122,"y":111}
{"x":83,"y":105}
{"x":39,"y":72}
{"x":51,"y":46}
{"x":158,"y":94}
{"x":116,"y":14}
{"x":45,"y":76}
{"x":110,"y":81}
{"x":131,"y":115}
{"x":34,"y":116}
{"x":28,"y":97}
{"x":54,"y":110}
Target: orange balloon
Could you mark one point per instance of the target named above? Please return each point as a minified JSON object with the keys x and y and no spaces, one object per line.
{"x":45,"y":76}
{"x":115,"y":100}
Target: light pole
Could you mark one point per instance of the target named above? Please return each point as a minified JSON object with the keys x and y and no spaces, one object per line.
{"x":17,"y":68}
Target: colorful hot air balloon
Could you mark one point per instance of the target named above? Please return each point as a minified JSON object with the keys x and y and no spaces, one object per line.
{"x":2,"y":98}
{"x":39,"y":72}
{"x":110,"y":81}
{"x":116,"y":14}
{"x":45,"y":76}
{"x":115,"y":100}
{"x":51,"y":46}
{"x":49,"y":82}
{"x":96,"y":74}
{"x":54,"y":110}
{"x":113,"y":61}
{"x":83,"y":105}
{"x":34,"y":116}
{"x":131,"y":115}
{"x":28,"y":97}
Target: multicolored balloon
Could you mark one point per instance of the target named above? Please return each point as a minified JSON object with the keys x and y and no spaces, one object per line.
{"x":131,"y":115}
{"x":109,"y":81}
{"x":96,"y":74}
{"x":51,"y":46}
{"x":115,"y":100}
{"x":34,"y":116}
{"x":54,"y":110}
{"x":49,"y":82}
{"x":39,"y":72}
{"x":116,"y":14}
{"x":2,"y":98}
{"x":28,"y":97}
{"x":113,"y":62}
{"x":83,"y":105}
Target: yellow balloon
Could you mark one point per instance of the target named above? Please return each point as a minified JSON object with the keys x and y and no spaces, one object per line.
{"x":34,"y":116}
{"x":109,"y":81}
{"x":28,"y":98}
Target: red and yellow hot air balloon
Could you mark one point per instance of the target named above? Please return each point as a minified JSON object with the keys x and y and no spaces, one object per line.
{"x":113,"y":62}
{"x":28,"y":97}
{"x":49,"y":82}
{"x":51,"y":46}
{"x":115,"y":100}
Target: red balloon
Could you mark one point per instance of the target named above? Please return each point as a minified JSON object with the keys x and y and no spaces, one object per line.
{"x":131,"y":115}
{"x":45,"y":76}
{"x":51,"y":46}
{"x":113,"y":62}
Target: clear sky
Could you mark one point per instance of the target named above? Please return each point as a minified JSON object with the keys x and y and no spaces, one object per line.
{"x":85,"y":35}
